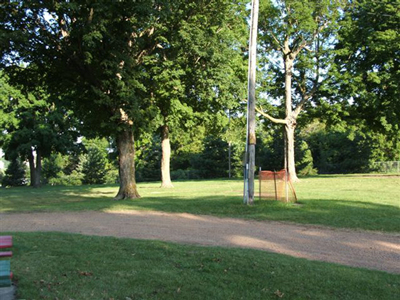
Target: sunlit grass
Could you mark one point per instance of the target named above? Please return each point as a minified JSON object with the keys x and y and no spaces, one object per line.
{"x":340,"y":201}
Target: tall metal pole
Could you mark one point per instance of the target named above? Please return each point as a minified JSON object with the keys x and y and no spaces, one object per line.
{"x":251,"y":111}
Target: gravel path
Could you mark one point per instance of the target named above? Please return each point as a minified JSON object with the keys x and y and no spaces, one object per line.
{"x":370,"y":250}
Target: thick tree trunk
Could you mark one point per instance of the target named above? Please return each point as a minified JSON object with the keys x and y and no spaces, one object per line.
{"x":35,"y":168}
{"x":166,"y":158}
{"x":127,"y":181}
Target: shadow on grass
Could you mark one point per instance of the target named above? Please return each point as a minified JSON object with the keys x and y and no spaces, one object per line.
{"x":330,"y":212}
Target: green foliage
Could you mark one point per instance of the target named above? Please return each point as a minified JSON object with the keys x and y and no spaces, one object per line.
{"x":14,"y":174}
{"x":347,"y":147}
{"x":340,"y":151}
{"x":305,"y":26}
{"x":95,"y":162}
{"x":148,"y":159}
{"x":213,"y":161}
{"x":93,"y":167}
{"x":53,"y":166}
{"x":32,"y":123}
{"x":72,"y":179}
{"x":112,"y":175}
{"x":64,"y":170}
{"x":199,"y":67}
{"x":305,"y":161}
{"x":270,"y":153}
{"x":367,"y":63}
{"x":270,"y":150}
{"x":132,"y":65}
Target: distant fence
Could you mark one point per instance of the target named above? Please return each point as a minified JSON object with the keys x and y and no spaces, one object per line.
{"x":386,"y":166}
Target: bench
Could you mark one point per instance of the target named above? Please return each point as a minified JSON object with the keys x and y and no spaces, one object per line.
{"x":5,"y":273}
{"x":5,"y":270}
{"x":5,"y":254}
{"x":5,"y":241}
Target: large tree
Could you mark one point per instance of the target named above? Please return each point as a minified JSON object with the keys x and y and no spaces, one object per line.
{"x":368,"y":63}
{"x":92,"y":53}
{"x":294,"y":36}
{"x":32,"y":126}
{"x":198,"y":69}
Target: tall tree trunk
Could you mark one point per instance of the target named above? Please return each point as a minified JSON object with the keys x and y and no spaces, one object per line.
{"x":291,"y":120}
{"x":166,"y":158}
{"x":35,"y":168}
{"x":126,"y":150}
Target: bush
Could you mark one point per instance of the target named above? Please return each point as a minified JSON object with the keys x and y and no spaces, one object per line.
{"x":179,"y":174}
{"x":53,"y":166}
{"x":340,"y":151}
{"x":112,"y":176}
{"x":75,"y":178}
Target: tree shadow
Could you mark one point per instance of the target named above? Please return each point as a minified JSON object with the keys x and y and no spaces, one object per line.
{"x":338,"y":213}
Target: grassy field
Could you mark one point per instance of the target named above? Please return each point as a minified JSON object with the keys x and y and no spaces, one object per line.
{"x":66,"y":266}
{"x":356,"y":202}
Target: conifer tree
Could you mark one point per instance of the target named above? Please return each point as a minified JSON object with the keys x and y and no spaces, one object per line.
{"x":14,"y":174}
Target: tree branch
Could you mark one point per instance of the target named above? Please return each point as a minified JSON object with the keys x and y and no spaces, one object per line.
{"x":301,"y":47}
{"x":304,"y":44}
{"x":299,"y":107}
{"x":276,"y":41}
{"x":269,"y":117}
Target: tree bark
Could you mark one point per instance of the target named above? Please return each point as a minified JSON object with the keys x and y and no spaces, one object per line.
{"x":35,"y":168}
{"x":127,"y":179}
{"x":291,"y":121}
{"x":166,"y":158}
{"x":289,"y":156}
{"x":288,"y":85}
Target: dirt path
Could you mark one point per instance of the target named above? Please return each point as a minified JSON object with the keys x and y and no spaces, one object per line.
{"x":353,"y":248}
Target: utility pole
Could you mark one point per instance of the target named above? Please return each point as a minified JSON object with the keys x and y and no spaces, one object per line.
{"x":248,"y":194}
{"x":229,"y":147}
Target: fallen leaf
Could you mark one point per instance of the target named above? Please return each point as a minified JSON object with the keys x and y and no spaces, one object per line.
{"x":279,"y":293}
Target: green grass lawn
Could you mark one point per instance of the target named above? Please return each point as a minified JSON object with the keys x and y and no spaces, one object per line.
{"x":339,"y":201}
{"x":69,"y":266}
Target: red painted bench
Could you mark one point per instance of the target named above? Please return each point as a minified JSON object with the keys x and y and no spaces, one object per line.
{"x":6,"y":254}
{"x":5,"y":241}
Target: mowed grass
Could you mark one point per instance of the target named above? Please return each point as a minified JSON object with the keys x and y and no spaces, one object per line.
{"x":69,"y":266}
{"x":356,"y":202}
